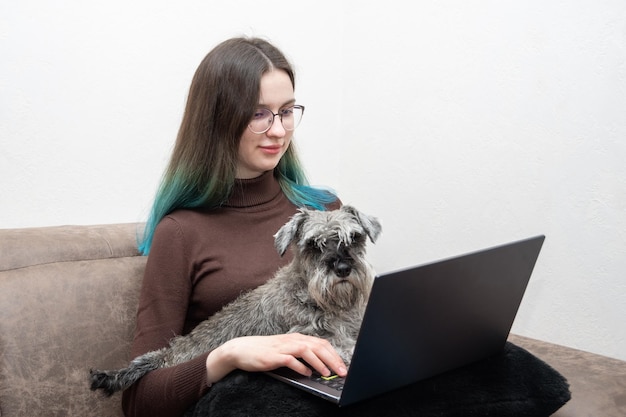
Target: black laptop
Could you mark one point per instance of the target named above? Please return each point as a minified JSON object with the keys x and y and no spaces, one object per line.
{"x":429,"y":319}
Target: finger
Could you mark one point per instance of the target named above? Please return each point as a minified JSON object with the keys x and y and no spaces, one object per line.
{"x":331,"y":358}
{"x":316,"y":363}
{"x":298,"y":366}
{"x":334,"y":362}
{"x":322,"y":357}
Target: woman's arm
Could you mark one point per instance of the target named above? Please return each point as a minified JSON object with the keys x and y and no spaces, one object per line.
{"x":264,"y":353}
{"x":163,"y":304}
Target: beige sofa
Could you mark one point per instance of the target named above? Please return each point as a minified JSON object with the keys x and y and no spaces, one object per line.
{"x":67,"y":303}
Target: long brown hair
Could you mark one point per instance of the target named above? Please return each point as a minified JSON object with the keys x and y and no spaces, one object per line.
{"x":224,"y":92}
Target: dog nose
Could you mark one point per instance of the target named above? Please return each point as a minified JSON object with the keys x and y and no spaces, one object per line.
{"x":342,"y":269}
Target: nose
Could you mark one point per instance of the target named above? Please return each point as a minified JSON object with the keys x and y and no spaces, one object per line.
{"x":276,"y":129}
{"x":342,"y":268}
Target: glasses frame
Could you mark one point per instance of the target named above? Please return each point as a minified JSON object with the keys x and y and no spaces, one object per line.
{"x":295,"y":106}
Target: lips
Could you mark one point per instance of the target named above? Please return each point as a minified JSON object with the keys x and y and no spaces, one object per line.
{"x":272,"y":149}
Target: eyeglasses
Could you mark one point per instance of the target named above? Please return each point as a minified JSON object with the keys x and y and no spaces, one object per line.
{"x":263,"y":119}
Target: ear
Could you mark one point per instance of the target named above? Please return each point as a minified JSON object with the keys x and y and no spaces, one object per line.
{"x":289,"y":231}
{"x":370,"y":224}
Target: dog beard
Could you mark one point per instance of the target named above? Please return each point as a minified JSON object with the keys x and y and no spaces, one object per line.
{"x":332,"y":293}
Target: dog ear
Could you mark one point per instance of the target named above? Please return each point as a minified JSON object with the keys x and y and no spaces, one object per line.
{"x":370,"y":224}
{"x":289,"y":231}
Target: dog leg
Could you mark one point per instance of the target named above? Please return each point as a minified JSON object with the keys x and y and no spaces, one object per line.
{"x":113,"y":381}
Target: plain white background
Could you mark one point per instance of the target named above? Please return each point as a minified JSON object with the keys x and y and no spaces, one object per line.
{"x":460,"y":124}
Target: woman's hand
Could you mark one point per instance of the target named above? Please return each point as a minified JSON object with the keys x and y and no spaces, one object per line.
{"x":264,"y":353}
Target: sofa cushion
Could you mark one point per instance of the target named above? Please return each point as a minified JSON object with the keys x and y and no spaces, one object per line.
{"x":43,"y":245}
{"x":61,"y":318}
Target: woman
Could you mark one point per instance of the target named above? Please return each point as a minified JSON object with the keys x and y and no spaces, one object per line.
{"x":233,"y":179}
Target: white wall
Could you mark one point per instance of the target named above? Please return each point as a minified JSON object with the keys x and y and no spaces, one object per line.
{"x":459,"y":124}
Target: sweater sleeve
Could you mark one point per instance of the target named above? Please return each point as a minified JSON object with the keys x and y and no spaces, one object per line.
{"x":167,"y":392}
{"x":161,"y":314}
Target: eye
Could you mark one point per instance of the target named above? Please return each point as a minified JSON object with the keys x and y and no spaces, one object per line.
{"x":312,"y":245}
{"x":260,"y":114}
{"x":356,"y":237}
{"x":288,"y":112}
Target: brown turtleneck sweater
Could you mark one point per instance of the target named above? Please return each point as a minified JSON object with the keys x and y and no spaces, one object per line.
{"x":199,"y":261}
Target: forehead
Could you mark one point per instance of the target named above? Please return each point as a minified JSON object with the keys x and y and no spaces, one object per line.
{"x":276,"y":89}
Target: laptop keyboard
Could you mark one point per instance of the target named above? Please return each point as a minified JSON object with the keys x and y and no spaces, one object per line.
{"x":332,"y":381}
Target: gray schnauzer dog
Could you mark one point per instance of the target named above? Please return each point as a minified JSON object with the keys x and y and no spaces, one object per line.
{"x":322,"y":292}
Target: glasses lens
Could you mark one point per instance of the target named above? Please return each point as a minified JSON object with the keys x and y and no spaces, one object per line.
{"x":261,"y":120}
{"x":291,"y":117}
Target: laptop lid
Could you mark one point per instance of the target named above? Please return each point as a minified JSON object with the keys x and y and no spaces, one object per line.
{"x":432,"y":318}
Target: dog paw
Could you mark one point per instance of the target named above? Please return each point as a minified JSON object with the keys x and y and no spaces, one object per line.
{"x":102,"y":381}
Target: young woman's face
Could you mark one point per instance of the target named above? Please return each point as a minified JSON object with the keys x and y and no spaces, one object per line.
{"x":259,"y":153}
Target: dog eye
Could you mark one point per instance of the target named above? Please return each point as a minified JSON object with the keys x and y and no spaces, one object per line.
{"x":312,"y":244}
{"x":356,"y":237}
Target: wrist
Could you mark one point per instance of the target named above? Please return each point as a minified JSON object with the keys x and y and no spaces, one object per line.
{"x":217,"y":365}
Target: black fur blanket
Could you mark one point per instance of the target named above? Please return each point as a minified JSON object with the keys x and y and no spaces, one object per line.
{"x":514,"y":383}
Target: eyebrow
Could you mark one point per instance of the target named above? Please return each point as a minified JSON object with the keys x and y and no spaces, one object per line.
{"x":287,"y":103}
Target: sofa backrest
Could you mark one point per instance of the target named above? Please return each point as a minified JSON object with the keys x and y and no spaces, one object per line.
{"x":68,"y":299}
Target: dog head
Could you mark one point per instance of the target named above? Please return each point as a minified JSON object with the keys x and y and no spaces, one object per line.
{"x":329,"y":252}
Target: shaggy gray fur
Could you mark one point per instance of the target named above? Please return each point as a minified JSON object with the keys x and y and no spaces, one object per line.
{"x":322,"y":292}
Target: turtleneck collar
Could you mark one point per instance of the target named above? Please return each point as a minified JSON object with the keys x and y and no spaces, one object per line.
{"x":254,"y":191}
